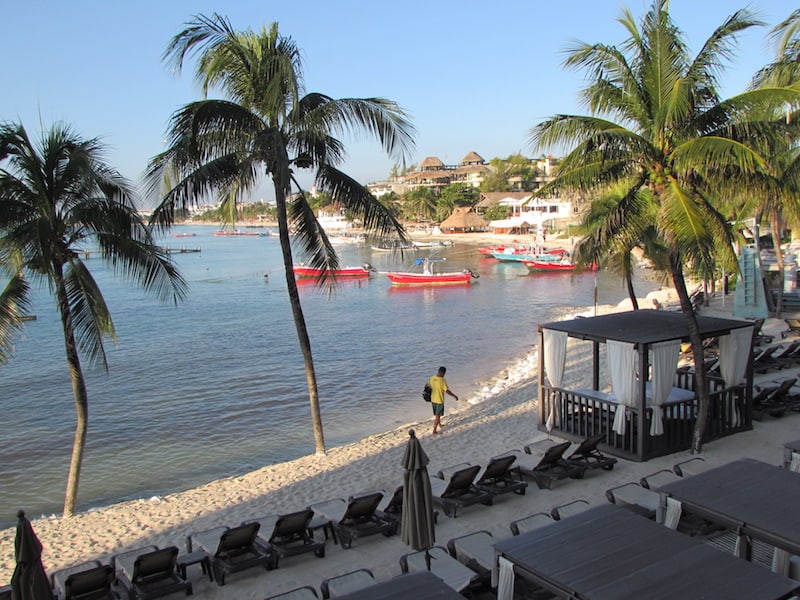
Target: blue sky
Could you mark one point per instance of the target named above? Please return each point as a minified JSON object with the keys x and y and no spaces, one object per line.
{"x":473,"y":76}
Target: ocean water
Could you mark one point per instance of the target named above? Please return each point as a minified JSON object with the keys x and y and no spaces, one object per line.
{"x":215,"y":386}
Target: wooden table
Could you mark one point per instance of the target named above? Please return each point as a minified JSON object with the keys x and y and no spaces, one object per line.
{"x":608,"y":553}
{"x":756,"y":499}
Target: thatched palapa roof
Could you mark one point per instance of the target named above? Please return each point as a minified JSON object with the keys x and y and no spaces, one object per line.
{"x":463,"y":217}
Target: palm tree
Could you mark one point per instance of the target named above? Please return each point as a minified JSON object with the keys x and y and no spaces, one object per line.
{"x":267,"y":127}
{"x":657,"y":122}
{"x":776,"y":194}
{"x":55,"y":197}
{"x":13,"y":302}
{"x":613,"y":226}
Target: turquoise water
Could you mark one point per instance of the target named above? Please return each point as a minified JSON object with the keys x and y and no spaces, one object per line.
{"x":215,"y":387}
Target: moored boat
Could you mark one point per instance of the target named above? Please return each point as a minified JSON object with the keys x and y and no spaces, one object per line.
{"x":565,"y":264}
{"x":428,"y":277}
{"x":531,"y":254}
{"x":305,"y":271}
{"x":235,"y":232}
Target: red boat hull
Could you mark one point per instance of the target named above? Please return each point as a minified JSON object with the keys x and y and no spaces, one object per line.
{"x":538,"y":266}
{"x":429,"y":279}
{"x":303,"y":271}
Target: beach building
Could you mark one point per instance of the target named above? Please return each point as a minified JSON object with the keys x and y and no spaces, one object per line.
{"x":463,"y":220}
{"x":527,"y":213}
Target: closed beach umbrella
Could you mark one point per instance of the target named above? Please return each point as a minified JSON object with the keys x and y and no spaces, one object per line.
{"x":29,"y":581}
{"x":416,"y":526}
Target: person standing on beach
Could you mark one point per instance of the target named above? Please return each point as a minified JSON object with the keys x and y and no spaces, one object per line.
{"x":439,"y":388}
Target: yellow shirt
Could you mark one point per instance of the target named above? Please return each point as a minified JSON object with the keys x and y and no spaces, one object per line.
{"x":438,"y":388}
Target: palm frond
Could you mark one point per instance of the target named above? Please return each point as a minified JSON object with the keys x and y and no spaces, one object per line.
{"x":14,"y":302}
{"x":91,"y":319}
{"x":359,"y":202}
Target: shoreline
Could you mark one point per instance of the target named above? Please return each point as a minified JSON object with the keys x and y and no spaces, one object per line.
{"x":501,"y":405}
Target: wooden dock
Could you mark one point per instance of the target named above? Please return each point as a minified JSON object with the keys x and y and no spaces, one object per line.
{"x":87,"y":254}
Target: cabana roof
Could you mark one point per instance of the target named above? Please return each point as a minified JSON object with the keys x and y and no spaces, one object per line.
{"x":644,"y":327}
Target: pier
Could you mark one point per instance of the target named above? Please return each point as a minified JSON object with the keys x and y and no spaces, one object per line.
{"x":87,"y":254}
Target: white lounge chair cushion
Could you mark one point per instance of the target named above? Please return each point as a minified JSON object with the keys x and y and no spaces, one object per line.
{"x":444,"y":566}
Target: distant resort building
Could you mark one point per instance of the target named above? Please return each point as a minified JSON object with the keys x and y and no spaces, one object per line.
{"x":526,"y":213}
{"x":433,"y":173}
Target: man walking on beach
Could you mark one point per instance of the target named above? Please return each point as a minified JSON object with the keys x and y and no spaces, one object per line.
{"x":438,"y":389}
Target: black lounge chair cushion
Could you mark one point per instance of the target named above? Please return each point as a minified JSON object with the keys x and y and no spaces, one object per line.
{"x":553,"y":466}
{"x":461,"y":491}
{"x":291,"y":536}
{"x":499,"y":476}
{"x":587,"y":454}
{"x":155,"y":574}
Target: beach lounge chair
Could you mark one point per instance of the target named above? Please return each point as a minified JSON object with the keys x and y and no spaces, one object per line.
{"x":634,"y":497}
{"x":765,"y":360}
{"x":570,"y":508}
{"x":87,"y":581}
{"x":459,"y":491}
{"x":346,"y":583}
{"x":305,"y":592}
{"x":150,"y":572}
{"x":775,"y":400}
{"x":529,"y":523}
{"x":356,"y":518}
{"x":475,"y":551}
{"x":231,"y":549}
{"x":499,"y":476}
{"x":290,"y":535}
{"x":587,"y":454}
{"x":391,"y":507}
{"x":691,"y":466}
{"x":552,"y":466}
{"x":658,"y":478}
{"x":454,"y":574}
{"x":793,"y":327}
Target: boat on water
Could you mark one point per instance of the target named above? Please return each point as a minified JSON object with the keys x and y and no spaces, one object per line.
{"x":565,"y":264}
{"x":183,"y":235}
{"x":302,"y":271}
{"x":393,"y":247}
{"x":530,"y":254}
{"x":433,"y":244}
{"x":235,"y":232}
{"x":427,"y":276}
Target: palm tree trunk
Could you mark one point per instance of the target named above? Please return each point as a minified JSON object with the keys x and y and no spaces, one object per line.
{"x":78,"y":393}
{"x":299,"y":319}
{"x":775,"y":225}
{"x":701,"y":377}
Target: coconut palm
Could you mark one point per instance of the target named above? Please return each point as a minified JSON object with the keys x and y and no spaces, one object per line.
{"x":55,"y":198}
{"x":268,"y":127}
{"x":776,"y":194}
{"x":13,"y":302}
{"x":612,"y":229}
{"x":657,"y":122}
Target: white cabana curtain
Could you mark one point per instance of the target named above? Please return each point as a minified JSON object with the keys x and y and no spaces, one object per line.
{"x":505,"y":585}
{"x":622,"y":372}
{"x":734,"y":351}
{"x":555,"y":357}
{"x":663,"y":360}
{"x":673,"y":514}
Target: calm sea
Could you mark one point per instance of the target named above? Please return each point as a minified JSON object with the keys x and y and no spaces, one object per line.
{"x":215,"y":386}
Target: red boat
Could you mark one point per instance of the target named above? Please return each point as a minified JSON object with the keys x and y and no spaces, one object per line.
{"x":304,"y":271}
{"x":556,"y":265}
{"x":234,"y":232}
{"x":428,"y":277}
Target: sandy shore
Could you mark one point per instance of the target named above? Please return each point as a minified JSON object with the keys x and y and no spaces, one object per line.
{"x":473,"y":432}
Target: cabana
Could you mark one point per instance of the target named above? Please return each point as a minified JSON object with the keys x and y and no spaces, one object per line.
{"x":654,"y":415}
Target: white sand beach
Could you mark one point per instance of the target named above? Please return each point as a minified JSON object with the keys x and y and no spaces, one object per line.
{"x":474,"y":430}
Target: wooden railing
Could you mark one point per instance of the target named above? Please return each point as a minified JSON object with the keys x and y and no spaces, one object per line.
{"x":583,"y":413}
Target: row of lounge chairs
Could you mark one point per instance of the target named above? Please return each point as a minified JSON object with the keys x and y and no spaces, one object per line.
{"x":776,"y":399}
{"x":152,"y":572}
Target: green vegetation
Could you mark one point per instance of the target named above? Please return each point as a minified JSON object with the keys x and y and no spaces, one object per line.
{"x":675,"y":151}
{"x":55,"y":196}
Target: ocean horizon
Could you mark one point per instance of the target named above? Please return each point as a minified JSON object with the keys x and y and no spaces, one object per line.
{"x":215,"y":387}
